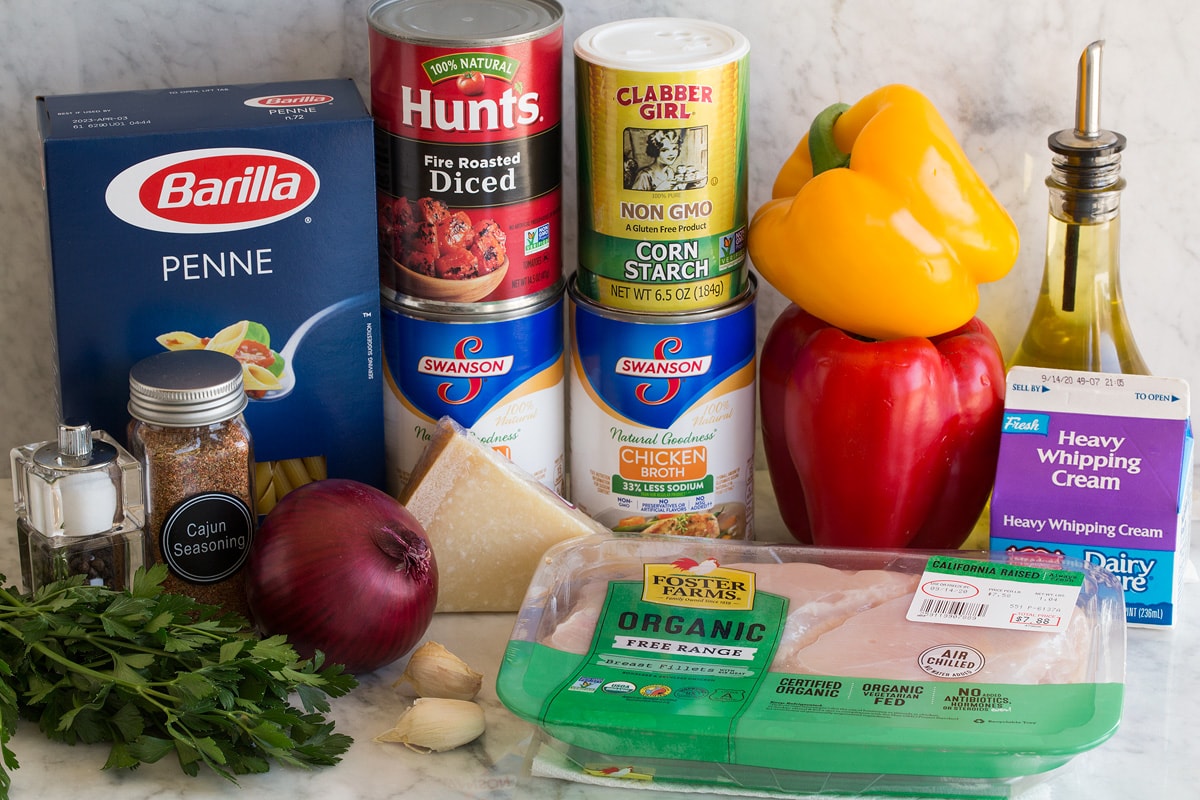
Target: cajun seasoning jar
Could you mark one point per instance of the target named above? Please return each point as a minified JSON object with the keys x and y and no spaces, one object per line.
{"x":198,"y":464}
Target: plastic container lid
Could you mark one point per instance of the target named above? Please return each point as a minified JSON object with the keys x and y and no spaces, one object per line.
{"x":661,"y":43}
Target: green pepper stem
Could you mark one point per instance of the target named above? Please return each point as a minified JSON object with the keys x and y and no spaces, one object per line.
{"x":821,"y":147}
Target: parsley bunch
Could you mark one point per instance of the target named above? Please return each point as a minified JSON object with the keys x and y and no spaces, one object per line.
{"x":156,"y":674}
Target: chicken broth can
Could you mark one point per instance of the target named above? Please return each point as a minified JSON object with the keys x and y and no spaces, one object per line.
{"x":467,"y":98}
{"x":497,"y":373}
{"x":662,"y":417}
{"x":661,"y":126}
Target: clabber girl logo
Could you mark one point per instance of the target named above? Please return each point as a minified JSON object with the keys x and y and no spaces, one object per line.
{"x":465,"y":371}
{"x":668,"y":372}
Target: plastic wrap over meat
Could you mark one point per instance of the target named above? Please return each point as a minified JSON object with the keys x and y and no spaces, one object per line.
{"x":957,"y":671}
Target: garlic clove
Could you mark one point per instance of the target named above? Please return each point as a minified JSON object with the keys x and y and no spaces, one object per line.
{"x":437,"y":724}
{"x":433,"y":671}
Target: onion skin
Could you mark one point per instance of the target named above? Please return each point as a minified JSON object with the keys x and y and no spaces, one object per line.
{"x":341,"y":567}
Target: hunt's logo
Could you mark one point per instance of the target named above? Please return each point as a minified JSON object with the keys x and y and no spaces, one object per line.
{"x":288,"y":100}
{"x":466,"y":99}
{"x":671,"y":370}
{"x":464,"y":366}
{"x":212,"y":190}
{"x":698,"y":584}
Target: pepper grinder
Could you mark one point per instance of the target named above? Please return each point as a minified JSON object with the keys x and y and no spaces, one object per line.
{"x":1079,"y":320}
{"x":78,"y":501}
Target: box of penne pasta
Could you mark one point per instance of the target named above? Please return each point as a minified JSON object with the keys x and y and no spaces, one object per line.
{"x":233,"y":218}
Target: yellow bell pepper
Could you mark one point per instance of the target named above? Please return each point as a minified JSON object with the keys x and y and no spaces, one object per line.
{"x":892,"y":230}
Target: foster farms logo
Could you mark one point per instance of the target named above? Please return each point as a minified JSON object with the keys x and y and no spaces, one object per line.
{"x":212,"y":190}
{"x":672,"y":371}
{"x":687,"y":582}
{"x":467,"y":371}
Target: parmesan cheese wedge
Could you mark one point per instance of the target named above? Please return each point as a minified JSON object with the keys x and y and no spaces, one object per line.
{"x":488,"y":521}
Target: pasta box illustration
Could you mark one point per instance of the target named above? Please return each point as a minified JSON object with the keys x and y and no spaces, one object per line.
{"x":230,"y":218}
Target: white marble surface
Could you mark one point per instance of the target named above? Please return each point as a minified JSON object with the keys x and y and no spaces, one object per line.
{"x":1001,"y":73}
{"x":1154,"y":754}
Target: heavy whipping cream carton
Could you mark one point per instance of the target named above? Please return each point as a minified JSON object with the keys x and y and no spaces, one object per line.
{"x":235,"y":218}
{"x":1098,"y":467}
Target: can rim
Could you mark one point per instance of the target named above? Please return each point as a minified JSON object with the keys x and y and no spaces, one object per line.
{"x":668,"y":317}
{"x":542,"y":17}
{"x":435,"y":311}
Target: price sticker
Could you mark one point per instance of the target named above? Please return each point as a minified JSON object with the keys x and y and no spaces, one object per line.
{"x":986,"y":594}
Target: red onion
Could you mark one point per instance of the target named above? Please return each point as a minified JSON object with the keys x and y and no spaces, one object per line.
{"x":341,"y":567}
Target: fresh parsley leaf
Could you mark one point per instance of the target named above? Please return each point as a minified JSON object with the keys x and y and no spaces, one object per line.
{"x":155,"y":674}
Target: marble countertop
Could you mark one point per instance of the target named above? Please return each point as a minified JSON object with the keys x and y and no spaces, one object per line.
{"x":1155,"y":752}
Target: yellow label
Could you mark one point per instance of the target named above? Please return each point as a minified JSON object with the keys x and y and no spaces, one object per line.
{"x":698,"y":584}
{"x":664,"y":151}
{"x":693,"y":296}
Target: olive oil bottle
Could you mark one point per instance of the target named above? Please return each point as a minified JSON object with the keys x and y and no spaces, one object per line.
{"x":1079,"y":321}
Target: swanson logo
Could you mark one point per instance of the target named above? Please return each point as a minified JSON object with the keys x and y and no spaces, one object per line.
{"x":288,"y":100}
{"x":462,"y":365}
{"x":212,"y":190}
{"x":673,"y":370}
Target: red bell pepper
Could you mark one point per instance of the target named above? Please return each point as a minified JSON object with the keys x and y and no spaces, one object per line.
{"x":888,"y":443}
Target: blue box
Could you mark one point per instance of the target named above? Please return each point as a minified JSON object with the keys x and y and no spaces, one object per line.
{"x":227,"y":217}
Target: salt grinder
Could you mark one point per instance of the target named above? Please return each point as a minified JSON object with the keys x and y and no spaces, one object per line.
{"x":78,"y":501}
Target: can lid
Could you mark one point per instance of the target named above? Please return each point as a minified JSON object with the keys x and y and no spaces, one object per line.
{"x":481,"y":22}
{"x":181,"y":388}
{"x":655,"y":43}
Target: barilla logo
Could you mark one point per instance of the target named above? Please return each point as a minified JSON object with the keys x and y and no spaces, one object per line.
{"x":698,"y":584}
{"x":674,"y":370}
{"x":1038,"y":424}
{"x":212,"y":190}
{"x":462,"y":365}
{"x":288,"y":100}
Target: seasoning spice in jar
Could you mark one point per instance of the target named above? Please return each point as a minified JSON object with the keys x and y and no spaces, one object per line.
{"x":197,"y":458}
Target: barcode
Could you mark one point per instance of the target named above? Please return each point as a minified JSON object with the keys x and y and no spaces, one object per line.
{"x":953,"y":608}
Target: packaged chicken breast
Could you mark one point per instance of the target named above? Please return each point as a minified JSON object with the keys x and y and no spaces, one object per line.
{"x":797,"y":668}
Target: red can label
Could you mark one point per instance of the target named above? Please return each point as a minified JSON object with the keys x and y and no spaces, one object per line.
{"x":468,"y":167}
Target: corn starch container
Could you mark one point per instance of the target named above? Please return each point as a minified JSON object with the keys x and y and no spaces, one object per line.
{"x":661,"y":125}
{"x":662,"y":416}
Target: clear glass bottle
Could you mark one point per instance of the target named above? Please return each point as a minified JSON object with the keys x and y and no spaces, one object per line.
{"x":79,"y":509}
{"x":1079,"y":320}
{"x":197,"y":457}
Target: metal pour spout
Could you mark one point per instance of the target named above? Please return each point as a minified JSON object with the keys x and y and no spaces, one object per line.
{"x":1087,"y":92}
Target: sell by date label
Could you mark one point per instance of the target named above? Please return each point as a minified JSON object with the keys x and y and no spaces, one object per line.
{"x":995,"y":594}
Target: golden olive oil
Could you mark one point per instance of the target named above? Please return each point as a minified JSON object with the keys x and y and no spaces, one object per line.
{"x":1079,"y":321}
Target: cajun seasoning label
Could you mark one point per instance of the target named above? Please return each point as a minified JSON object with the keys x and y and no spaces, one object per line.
{"x":468,"y":149}
{"x":662,"y":163}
